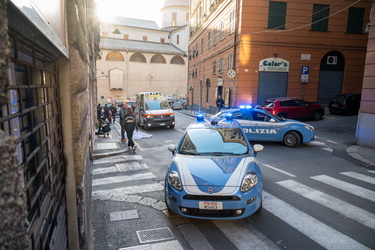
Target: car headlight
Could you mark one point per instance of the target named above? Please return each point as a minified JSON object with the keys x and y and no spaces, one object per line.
{"x":309,"y":127}
{"x":149,"y":116}
{"x":174,"y":180}
{"x":249,"y":181}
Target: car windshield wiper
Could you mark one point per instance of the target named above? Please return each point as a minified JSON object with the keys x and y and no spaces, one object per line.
{"x":184,"y":152}
{"x":217,"y":153}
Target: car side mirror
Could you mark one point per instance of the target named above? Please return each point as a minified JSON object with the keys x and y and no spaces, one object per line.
{"x":257,"y":148}
{"x":172,"y":148}
{"x":272,"y":120}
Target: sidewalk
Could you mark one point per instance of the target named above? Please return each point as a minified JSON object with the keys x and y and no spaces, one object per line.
{"x":361,"y":153}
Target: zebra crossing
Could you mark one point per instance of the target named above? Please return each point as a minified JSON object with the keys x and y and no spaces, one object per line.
{"x":121,"y":178}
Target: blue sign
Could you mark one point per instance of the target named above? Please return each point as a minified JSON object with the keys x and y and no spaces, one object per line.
{"x":305,"y":70}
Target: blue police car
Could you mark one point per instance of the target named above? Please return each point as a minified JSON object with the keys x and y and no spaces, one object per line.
{"x":260,"y":125}
{"x":213,"y":174}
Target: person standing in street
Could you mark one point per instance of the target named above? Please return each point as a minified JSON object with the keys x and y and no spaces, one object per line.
{"x":99,"y":111}
{"x":106,"y":113}
{"x":114,"y":111}
{"x":122,"y":122}
{"x":219,"y":103}
{"x":130,"y":126}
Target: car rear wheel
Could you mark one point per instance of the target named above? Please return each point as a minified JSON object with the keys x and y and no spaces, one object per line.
{"x":292,"y":139}
{"x":317,"y":115}
{"x":282,"y":115}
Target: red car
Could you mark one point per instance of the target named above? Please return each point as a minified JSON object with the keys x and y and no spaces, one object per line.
{"x":292,"y":107}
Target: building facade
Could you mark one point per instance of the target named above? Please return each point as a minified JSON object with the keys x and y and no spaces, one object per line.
{"x":48,"y":83}
{"x":138,"y":56}
{"x":250,"y":51}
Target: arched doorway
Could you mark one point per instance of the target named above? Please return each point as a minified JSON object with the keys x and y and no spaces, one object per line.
{"x":331,"y":76}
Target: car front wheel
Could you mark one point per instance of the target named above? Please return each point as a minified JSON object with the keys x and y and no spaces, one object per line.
{"x":292,"y":139}
{"x":317,"y":115}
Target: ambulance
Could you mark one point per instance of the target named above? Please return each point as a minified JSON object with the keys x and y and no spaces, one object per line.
{"x":153,"y":110}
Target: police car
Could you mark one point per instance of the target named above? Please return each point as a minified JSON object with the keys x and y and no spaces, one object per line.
{"x":259,"y":125}
{"x":213,"y":174}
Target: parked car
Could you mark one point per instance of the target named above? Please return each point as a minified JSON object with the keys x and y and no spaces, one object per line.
{"x":292,"y":107}
{"x":213,"y":173}
{"x":259,"y":125}
{"x":177,"y":105}
{"x":347,"y":104}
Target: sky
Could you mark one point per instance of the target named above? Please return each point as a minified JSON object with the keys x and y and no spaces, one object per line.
{"x":141,"y":9}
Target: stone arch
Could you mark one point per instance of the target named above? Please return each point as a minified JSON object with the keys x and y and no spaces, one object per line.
{"x":158,"y":59}
{"x":177,"y":60}
{"x":115,"y":56}
{"x":138,"y":57}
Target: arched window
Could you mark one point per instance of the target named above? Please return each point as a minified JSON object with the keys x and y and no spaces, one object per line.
{"x":177,"y":60}
{"x":114,"y":56}
{"x":158,"y":59}
{"x":138,"y":57}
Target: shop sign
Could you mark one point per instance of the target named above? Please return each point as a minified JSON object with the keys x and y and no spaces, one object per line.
{"x":274,"y":64}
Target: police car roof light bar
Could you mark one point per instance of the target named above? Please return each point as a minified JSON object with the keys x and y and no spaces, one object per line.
{"x":200,"y":117}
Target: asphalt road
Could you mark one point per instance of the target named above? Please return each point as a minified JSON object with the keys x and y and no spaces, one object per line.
{"x":315,"y":197}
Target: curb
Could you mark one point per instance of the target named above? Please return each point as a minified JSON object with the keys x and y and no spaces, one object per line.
{"x":352,"y":150}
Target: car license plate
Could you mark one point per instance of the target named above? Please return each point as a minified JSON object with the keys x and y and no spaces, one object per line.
{"x":162,"y":124}
{"x":334,"y":105}
{"x":210,"y":205}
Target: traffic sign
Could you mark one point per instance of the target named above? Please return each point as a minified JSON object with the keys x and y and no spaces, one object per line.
{"x":305,"y":70}
{"x":231,"y":73}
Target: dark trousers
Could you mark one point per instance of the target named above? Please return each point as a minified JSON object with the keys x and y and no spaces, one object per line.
{"x":129,"y":134}
{"x":122,"y":123}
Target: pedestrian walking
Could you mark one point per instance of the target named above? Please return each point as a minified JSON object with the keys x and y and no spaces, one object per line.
{"x":106,"y":113}
{"x":99,"y":111}
{"x":122,"y":122}
{"x":114,"y":111}
{"x":130,"y":126}
{"x":219,"y":103}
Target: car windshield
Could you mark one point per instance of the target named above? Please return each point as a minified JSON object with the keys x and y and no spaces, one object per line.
{"x":214,"y":142}
{"x":155,"y":105}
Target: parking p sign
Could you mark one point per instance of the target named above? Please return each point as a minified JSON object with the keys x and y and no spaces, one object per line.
{"x":305,"y":74}
{"x":305,"y":70}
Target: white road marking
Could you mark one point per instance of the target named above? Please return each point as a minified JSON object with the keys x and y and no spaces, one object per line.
{"x":332,"y":142}
{"x":183,"y":131}
{"x":278,"y":170}
{"x":118,"y":179}
{"x":311,"y":227}
{"x":343,"y":208}
{"x":130,"y":190}
{"x":244,"y":237}
{"x":347,"y":187}
{"x":360,"y":177}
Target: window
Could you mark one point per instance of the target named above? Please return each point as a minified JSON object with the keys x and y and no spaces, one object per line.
{"x":209,"y":40}
{"x":215,"y":35}
{"x":177,"y":60}
{"x":138,"y":57}
{"x":145,"y":38}
{"x":276,"y":15}
{"x":105,"y":34}
{"x":222,"y":30}
{"x":208,"y":85}
{"x":158,"y":59}
{"x":320,"y":17}
{"x":115,"y":56}
{"x":162,"y":40}
{"x":214,"y":67}
{"x":355,"y":20}
{"x":230,"y":62}
{"x":126,"y":36}
{"x":232,"y":21}
{"x":202,"y":45}
{"x":221,"y":65}
{"x":178,"y":39}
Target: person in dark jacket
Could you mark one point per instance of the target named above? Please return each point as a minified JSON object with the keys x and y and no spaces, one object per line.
{"x":114,"y":111}
{"x":219,"y":103}
{"x":130,"y":126}
{"x":99,"y":111}
{"x":122,"y":122}
{"x":106,"y":113}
